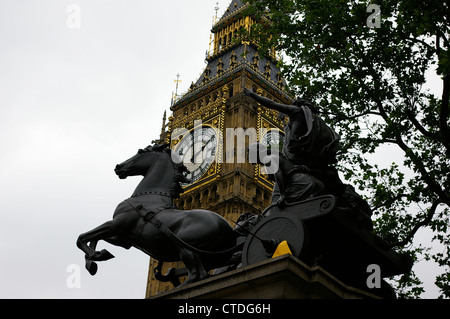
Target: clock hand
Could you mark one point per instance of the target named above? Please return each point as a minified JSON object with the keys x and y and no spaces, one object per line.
{"x":207,"y":143}
{"x":201,"y":151}
{"x":194,"y":155}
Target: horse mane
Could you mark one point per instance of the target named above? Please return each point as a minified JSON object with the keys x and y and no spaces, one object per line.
{"x":179,"y":169}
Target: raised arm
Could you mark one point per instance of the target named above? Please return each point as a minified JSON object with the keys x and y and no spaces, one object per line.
{"x":283,"y":108}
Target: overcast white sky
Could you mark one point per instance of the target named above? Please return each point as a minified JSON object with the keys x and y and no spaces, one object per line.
{"x":74,"y":102}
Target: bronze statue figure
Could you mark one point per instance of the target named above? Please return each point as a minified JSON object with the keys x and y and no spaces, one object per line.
{"x":294,"y":182}
{"x":309,"y":151}
{"x":149,"y":220}
{"x":309,"y":141}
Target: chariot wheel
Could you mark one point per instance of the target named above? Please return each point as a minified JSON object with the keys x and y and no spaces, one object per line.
{"x":269,"y":233}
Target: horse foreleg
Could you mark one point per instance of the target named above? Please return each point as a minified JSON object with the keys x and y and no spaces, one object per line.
{"x":119,"y":241}
{"x":102,"y":232}
{"x":89,"y":264}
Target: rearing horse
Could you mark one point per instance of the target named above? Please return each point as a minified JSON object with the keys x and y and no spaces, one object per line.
{"x":202,"y":229}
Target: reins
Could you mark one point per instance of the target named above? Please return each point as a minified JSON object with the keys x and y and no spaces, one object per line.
{"x":150,"y":216}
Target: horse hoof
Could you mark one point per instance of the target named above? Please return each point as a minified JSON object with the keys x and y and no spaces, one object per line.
{"x":105,"y":255}
{"x":102,"y":255}
{"x":91,"y":267}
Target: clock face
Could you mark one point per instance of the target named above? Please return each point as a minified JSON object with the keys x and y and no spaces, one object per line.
{"x":273,"y":139}
{"x":198,"y":151}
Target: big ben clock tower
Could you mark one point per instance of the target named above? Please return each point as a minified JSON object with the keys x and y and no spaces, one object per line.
{"x":208,"y":121}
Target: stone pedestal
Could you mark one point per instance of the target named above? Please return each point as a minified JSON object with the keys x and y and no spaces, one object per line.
{"x":284,"y":277}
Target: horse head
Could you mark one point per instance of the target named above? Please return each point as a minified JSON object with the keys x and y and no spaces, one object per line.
{"x":158,"y":165}
{"x":137,"y":165}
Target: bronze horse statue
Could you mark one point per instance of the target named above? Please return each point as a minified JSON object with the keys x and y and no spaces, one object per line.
{"x":149,"y":220}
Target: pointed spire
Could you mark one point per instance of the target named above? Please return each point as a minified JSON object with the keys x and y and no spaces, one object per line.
{"x":234,"y":6}
{"x":164,"y":125}
{"x":217,"y":10}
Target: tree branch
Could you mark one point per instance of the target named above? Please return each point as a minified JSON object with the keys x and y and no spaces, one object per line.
{"x":427,"y":220}
{"x":443,"y":116}
{"x":441,"y":35}
{"x":417,"y":161}
{"x":389,"y":201}
{"x":418,"y":126}
{"x":341,"y":117}
{"x":444,"y":111}
{"x":434,"y":186}
{"x":349,"y":145}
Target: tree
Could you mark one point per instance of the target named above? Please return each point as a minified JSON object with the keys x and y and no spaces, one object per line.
{"x":366,"y":67}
